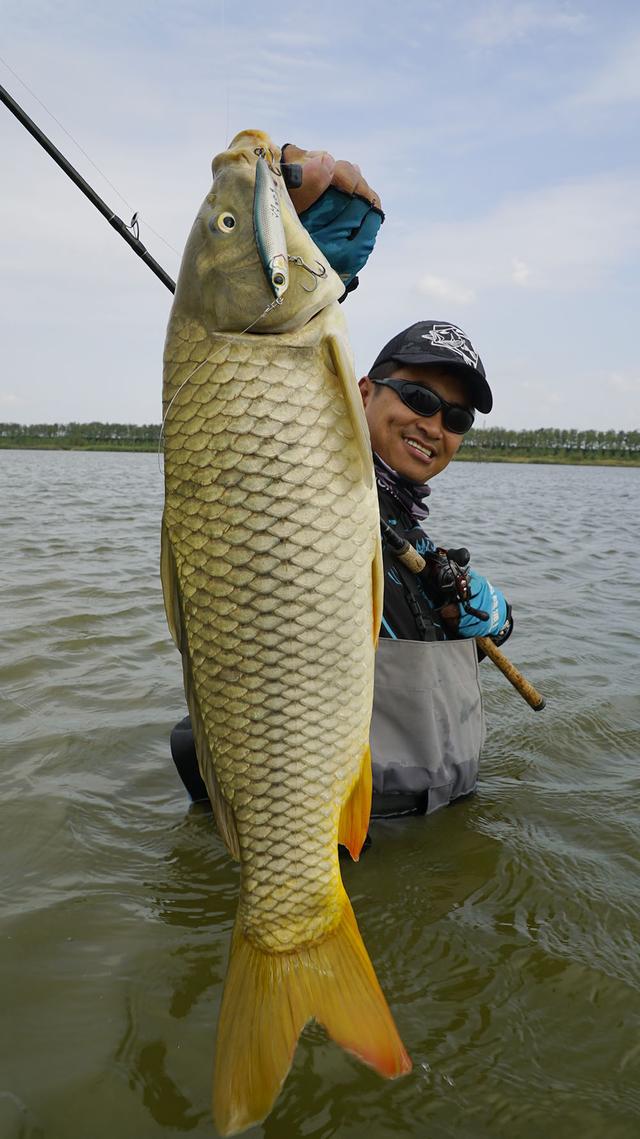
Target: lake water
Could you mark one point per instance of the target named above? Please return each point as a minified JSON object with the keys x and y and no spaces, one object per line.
{"x":505,"y":931}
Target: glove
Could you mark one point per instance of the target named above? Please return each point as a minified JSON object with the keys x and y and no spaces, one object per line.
{"x":338,"y":209}
{"x":483,"y":595}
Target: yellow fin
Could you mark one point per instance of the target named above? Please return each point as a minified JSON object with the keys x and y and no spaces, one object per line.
{"x":343,"y":368}
{"x":169,"y":579}
{"x":354,"y":816}
{"x":269,"y":997}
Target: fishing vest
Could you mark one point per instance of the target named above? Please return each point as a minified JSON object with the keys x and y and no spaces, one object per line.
{"x":427,"y":727}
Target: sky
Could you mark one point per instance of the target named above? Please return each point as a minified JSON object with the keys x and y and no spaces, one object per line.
{"x":501,"y":136}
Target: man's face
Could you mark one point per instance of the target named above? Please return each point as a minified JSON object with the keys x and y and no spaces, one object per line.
{"x":416,"y":446}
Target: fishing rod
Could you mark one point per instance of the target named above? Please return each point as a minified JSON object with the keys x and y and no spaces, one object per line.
{"x":409,"y":556}
{"x":128,"y":233}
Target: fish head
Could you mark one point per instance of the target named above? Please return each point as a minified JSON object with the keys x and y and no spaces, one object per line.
{"x":248,"y":259}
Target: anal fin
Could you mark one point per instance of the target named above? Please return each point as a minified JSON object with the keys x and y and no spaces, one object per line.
{"x":355,"y":813}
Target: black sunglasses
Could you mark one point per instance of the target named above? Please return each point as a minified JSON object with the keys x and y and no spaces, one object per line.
{"x":424,"y":401}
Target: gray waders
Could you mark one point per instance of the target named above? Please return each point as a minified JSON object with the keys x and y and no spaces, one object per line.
{"x":427,"y":727}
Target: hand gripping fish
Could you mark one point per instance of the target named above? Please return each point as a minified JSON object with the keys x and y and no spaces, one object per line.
{"x":272,"y":582}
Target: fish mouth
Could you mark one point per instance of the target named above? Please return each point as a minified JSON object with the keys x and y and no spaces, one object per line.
{"x":422,"y":451}
{"x":245,"y":149}
{"x":252,"y":138}
{"x":252,"y":144}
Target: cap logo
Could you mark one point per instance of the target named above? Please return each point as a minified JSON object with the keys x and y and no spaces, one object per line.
{"x":451,"y":337}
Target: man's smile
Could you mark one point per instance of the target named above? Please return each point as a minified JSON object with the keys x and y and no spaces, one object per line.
{"x":425,"y":450}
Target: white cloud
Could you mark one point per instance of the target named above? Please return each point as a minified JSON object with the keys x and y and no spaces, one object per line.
{"x":624,"y":383}
{"x":444,"y":290}
{"x":617,"y":82}
{"x":521,"y":272}
{"x":563,"y":238}
{"x":503,"y":22}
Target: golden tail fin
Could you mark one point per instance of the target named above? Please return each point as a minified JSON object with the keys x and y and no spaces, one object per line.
{"x":269,"y":997}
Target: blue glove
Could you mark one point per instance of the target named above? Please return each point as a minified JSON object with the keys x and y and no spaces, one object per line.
{"x":344,"y":227}
{"x":483,"y":595}
{"x":337,"y":206}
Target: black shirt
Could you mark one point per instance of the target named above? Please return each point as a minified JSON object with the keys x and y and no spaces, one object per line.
{"x":407,"y":613}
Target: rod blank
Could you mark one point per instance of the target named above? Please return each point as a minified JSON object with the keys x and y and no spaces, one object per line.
{"x":58,"y":157}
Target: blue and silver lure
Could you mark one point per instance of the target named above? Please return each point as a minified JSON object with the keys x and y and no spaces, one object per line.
{"x":269,"y":230}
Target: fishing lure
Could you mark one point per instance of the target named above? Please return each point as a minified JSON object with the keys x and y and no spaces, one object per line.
{"x":269,"y":230}
{"x":270,"y":236}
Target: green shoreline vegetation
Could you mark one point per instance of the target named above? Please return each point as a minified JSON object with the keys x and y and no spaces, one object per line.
{"x":491,"y":444}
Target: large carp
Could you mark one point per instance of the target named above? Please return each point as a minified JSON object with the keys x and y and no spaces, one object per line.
{"x":273,"y":590}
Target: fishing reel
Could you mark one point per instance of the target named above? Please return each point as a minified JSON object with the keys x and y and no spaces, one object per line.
{"x":443,"y":573}
{"x":446,"y":581}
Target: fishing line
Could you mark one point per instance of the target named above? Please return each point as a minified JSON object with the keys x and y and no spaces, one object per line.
{"x":87,"y":156}
{"x":269,"y":308}
{"x":225,"y":76}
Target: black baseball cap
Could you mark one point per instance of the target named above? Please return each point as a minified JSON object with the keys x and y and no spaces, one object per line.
{"x":438,"y":342}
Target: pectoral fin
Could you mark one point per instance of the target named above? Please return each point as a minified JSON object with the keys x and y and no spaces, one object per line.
{"x":343,"y":369}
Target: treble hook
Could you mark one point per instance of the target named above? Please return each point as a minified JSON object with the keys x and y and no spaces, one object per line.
{"x":317,"y":276}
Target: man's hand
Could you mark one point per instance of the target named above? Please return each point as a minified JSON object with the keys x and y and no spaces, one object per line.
{"x":337,"y":207}
{"x":484,"y":596}
{"x":466,"y":603}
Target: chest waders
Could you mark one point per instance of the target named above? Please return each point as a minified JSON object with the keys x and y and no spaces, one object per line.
{"x":427,"y":727}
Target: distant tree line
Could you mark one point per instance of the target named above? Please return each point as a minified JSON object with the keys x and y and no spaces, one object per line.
{"x":553,"y":441}
{"x":486,"y":442}
{"x":116,"y":436}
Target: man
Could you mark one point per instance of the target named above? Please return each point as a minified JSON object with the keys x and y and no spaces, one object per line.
{"x":419,"y":395}
{"x":427,"y":726}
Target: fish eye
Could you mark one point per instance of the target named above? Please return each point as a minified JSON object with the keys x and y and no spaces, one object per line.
{"x":224,"y":222}
{"x":278,"y":279}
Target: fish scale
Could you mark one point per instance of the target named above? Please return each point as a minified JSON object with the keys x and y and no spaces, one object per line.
{"x":337,"y":541}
